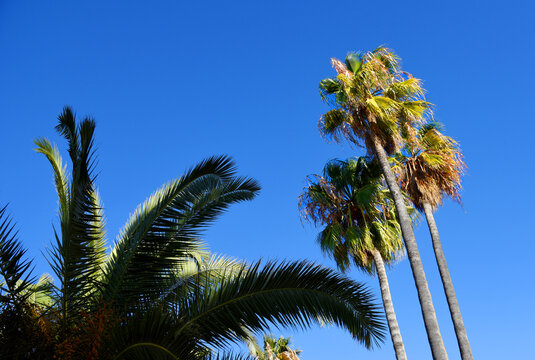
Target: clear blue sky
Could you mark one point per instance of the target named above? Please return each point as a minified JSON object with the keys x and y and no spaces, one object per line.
{"x":173,"y":82}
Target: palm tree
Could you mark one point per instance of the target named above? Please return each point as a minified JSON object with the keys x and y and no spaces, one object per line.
{"x":157,"y":295}
{"x":360,"y":225}
{"x":273,"y":349}
{"x":373,"y":100}
{"x":429,"y":168}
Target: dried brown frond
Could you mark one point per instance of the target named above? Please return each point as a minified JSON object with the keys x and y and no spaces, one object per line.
{"x":341,"y":68}
{"x":432,"y":169}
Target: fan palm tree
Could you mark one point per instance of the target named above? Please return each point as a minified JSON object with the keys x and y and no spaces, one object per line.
{"x":157,"y":295}
{"x":273,"y":349}
{"x":429,"y":168}
{"x":373,"y":101}
{"x":360,"y":225}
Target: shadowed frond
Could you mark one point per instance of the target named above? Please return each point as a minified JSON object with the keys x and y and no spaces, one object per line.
{"x":15,"y":271}
{"x":295,"y":294}
{"x":198,"y":273}
{"x":78,"y":252}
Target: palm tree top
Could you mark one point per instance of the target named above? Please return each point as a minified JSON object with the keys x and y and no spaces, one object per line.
{"x":430,"y":166}
{"x":356,"y":211}
{"x":273,"y":348}
{"x":371,"y":94}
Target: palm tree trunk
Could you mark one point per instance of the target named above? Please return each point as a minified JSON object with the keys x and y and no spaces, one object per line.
{"x":455,"y":311}
{"x":397,"y":341}
{"x":426,"y":303}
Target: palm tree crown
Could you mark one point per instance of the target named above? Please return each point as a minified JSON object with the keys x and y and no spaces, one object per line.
{"x":371,"y":95}
{"x":430,"y":166}
{"x":357,"y":212}
{"x":273,"y":349}
{"x":360,"y":224}
{"x":158,"y":294}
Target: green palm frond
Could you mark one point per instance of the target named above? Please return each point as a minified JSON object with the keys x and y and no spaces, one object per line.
{"x":409,"y":89}
{"x":198,"y":273}
{"x":15,"y":271}
{"x":328,"y":89}
{"x":382,"y":107}
{"x":164,"y":232}
{"x":40,"y":293}
{"x":78,"y":251}
{"x":60,"y":173}
{"x":332,"y":243}
{"x":149,"y":335}
{"x":353,"y":62}
{"x":290,"y":294}
{"x":414,"y":111}
{"x":334,"y":124}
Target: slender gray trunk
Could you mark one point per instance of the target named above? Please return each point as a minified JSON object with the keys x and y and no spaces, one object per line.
{"x":426,"y":302}
{"x":397,"y":341}
{"x":455,"y":311}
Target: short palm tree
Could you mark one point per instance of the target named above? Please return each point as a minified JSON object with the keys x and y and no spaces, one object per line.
{"x":429,"y":168}
{"x":373,"y":101}
{"x":360,"y":225}
{"x":273,"y":349}
{"x":157,"y":295}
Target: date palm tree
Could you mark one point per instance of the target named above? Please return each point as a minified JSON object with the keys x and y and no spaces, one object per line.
{"x":429,"y":168}
{"x":157,"y":295}
{"x":360,"y":225}
{"x":372,"y":102}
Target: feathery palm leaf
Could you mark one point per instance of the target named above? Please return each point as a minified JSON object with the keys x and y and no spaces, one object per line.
{"x":78,"y":252}
{"x":165,"y":230}
{"x":15,"y":271}
{"x":296,"y":294}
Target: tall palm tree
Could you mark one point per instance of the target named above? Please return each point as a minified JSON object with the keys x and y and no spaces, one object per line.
{"x":157,"y":295}
{"x":360,"y":225}
{"x":429,"y":168}
{"x":373,"y":100}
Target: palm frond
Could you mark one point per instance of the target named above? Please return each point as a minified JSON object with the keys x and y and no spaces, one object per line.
{"x":409,"y":89}
{"x":430,"y":166}
{"x":164,"y":232}
{"x":149,"y":335}
{"x":15,"y":271}
{"x":334,"y":124}
{"x":295,"y":294}
{"x":198,"y":273}
{"x":78,"y":251}
{"x":40,"y":293}
{"x":60,"y":173}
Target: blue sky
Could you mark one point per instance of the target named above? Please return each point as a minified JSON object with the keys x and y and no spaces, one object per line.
{"x":173,"y":82}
